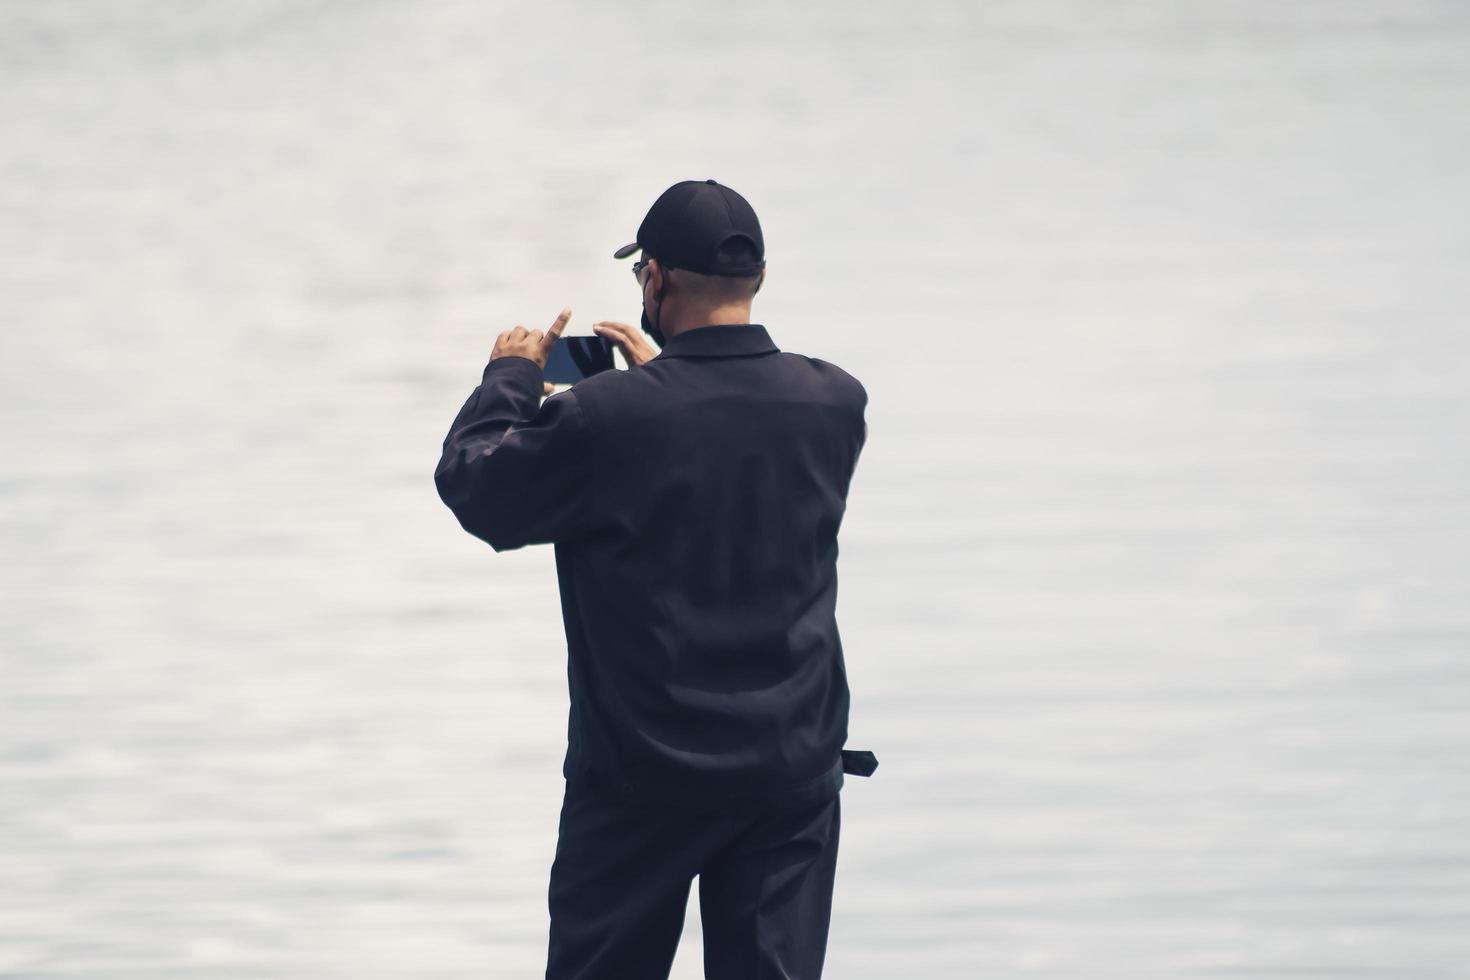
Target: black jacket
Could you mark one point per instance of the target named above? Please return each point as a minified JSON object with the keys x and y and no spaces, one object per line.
{"x":694,"y":503}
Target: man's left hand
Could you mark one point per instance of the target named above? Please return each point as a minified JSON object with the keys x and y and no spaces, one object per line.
{"x":532,"y":344}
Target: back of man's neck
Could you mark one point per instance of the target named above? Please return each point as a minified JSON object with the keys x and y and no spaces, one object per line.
{"x":713,"y":316}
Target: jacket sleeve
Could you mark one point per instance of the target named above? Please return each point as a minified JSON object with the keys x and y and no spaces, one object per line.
{"x":514,"y":474}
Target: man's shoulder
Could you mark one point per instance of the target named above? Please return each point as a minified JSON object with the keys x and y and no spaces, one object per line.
{"x":607,"y":388}
{"x":603,"y":393}
{"x":835,"y":376}
{"x":609,"y":384}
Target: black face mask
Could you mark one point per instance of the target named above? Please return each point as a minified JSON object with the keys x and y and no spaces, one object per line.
{"x":651,"y":330}
{"x":649,"y":327}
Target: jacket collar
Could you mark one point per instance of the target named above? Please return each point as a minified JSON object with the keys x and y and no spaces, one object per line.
{"x":719,"y":340}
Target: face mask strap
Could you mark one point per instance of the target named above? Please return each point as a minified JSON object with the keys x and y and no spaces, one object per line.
{"x":659,"y":296}
{"x":650,"y":327}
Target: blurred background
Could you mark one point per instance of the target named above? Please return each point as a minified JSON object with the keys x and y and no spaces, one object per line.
{"x":1154,"y":589}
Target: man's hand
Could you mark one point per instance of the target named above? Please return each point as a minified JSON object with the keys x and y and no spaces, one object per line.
{"x":533,"y":344}
{"x":637,"y":351}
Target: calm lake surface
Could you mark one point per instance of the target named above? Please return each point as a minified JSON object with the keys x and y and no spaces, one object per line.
{"x":1155,"y":572}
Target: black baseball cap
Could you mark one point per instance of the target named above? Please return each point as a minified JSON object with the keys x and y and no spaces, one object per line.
{"x":690,"y":221}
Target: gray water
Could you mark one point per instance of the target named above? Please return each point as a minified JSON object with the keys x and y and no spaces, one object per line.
{"x":1154,"y":574}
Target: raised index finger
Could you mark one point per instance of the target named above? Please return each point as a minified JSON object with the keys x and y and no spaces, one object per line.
{"x":557,"y":326}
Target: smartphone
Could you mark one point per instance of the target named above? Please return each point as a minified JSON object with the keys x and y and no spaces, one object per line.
{"x":574,"y":358}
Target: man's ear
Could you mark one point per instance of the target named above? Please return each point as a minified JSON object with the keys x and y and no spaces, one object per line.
{"x":760,"y":282}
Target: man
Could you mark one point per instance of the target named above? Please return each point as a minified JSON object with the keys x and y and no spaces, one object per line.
{"x":694,"y":502}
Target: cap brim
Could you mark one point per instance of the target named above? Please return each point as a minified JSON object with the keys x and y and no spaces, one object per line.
{"x":626,"y":251}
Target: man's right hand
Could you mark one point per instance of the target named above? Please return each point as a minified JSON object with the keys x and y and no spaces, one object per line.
{"x":637,"y":351}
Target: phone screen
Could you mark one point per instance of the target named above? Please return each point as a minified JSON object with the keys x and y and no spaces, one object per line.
{"x":574,"y":358}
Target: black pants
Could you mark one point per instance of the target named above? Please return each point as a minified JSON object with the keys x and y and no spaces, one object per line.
{"x":620,"y":885}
